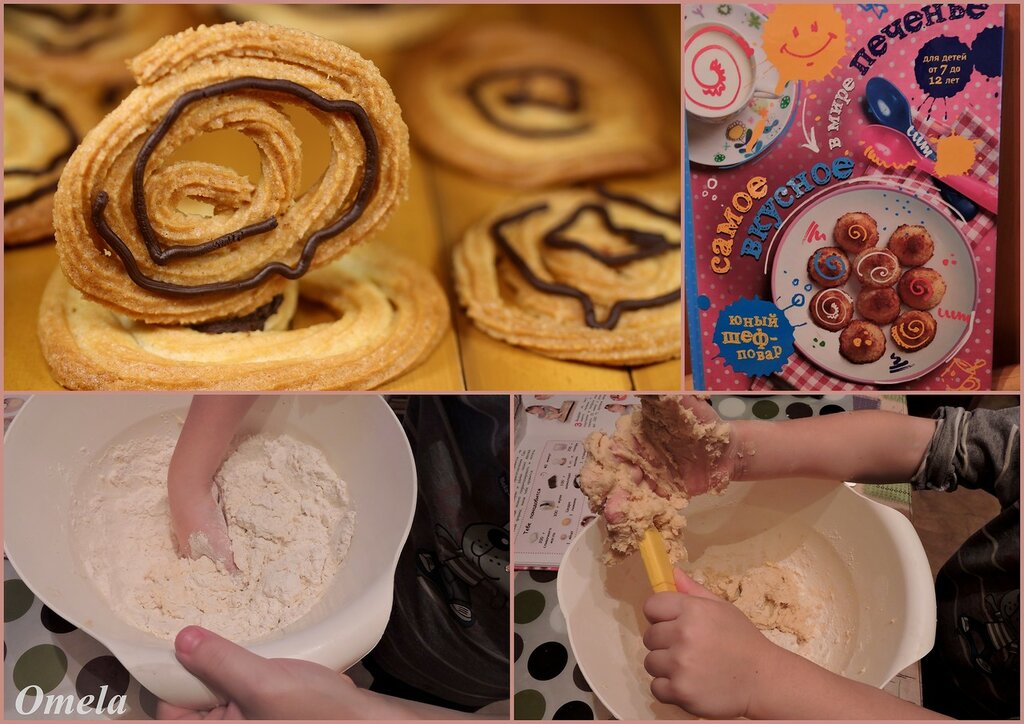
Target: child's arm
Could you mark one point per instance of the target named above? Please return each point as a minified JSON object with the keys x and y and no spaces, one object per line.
{"x":706,"y":657}
{"x":196,"y":517}
{"x":862,"y":446}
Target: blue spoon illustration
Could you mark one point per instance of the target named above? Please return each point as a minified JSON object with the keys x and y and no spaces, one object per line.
{"x":889,"y":107}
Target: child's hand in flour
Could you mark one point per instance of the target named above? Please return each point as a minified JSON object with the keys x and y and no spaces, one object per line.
{"x":705,"y":656}
{"x":196,"y":518}
{"x":258,"y":688}
{"x":200,"y":529}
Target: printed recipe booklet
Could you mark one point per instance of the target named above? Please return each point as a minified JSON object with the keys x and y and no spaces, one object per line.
{"x":843,"y":186}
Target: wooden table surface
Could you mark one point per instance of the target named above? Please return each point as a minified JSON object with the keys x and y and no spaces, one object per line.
{"x":442,"y":203}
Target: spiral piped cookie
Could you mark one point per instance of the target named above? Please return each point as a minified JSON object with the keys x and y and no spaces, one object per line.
{"x":365,"y":28}
{"x":122,"y":236}
{"x":519,"y":105}
{"x":913,"y":330}
{"x":831,"y":309}
{"x":877,"y":268}
{"x":583,"y":275}
{"x":88,"y":45}
{"x":921,"y":288}
{"x":137,"y":253}
{"x":856,"y":231}
{"x":828,"y":267}
{"x":42,"y":128}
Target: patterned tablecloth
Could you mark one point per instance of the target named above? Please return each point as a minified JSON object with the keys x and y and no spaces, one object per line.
{"x":548,"y":682}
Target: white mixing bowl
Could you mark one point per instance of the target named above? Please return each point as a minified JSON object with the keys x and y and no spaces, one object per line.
{"x":53,"y":440}
{"x":867,"y":556}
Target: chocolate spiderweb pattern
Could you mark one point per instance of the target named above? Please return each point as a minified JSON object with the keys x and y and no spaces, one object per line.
{"x":123,"y":238}
{"x":585,"y":275}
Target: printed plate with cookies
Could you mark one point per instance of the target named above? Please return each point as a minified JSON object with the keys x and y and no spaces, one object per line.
{"x":851,"y":244}
{"x":302,"y":197}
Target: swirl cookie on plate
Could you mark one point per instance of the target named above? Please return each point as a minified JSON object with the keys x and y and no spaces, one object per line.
{"x":584,"y":275}
{"x":135,"y":251}
{"x":526,"y":107}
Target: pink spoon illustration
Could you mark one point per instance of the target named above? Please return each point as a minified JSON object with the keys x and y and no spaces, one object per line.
{"x":892,"y":149}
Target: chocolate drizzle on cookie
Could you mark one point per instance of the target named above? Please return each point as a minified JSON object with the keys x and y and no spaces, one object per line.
{"x":64,"y":40}
{"x":649,"y":243}
{"x":54,"y":162}
{"x":566,"y":98}
{"x":163,"y":254}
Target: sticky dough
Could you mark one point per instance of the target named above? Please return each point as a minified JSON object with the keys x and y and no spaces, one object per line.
{"x":642,"y":463}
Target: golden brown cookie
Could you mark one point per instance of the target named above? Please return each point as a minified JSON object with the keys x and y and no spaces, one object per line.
{"x":913,"y":330}
{"x":856,"y":231}
{"x":583,"y":275}
{"x":85,"y":44}
{"x":523,"y":106}
{"x":913,"y":245}
{"x":365,"y":28}
{"x":126,"y":236}
{"x":42,"y":128}
{"x":828,"y":267}
{"x":862,"y":342}
{"x":389,"y":313}
{"x":921,"y":288}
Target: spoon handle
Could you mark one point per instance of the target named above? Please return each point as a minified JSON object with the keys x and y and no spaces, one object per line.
{"x":973,"y":188}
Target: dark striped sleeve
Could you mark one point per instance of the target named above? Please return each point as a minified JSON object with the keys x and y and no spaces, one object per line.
{"x":979,"y":449}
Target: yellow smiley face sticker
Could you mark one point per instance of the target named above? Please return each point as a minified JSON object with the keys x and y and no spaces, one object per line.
{"x":804,"y":42}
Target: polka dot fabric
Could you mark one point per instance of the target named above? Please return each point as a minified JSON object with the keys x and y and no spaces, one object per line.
{"x":44,"y":650}
{"x":549,"y":684}
{"x":973,"y":113}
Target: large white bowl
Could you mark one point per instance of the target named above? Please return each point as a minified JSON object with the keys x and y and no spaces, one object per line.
{"x":867,"y":555}
{"x":53,"y":442}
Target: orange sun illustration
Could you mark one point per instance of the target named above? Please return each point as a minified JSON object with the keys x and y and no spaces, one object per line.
{"x":804,"y":42}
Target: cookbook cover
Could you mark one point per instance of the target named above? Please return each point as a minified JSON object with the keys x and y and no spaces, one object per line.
{"x":843,"y":191}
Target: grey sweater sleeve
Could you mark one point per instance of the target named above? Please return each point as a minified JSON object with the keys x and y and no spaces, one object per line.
{"x":979,"y":449}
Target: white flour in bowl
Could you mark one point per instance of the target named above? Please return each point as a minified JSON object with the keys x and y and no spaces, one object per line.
{"x":289,"y":521}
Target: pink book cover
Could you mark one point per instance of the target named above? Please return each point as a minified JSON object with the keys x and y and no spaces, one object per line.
{"x":842,"y":194}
